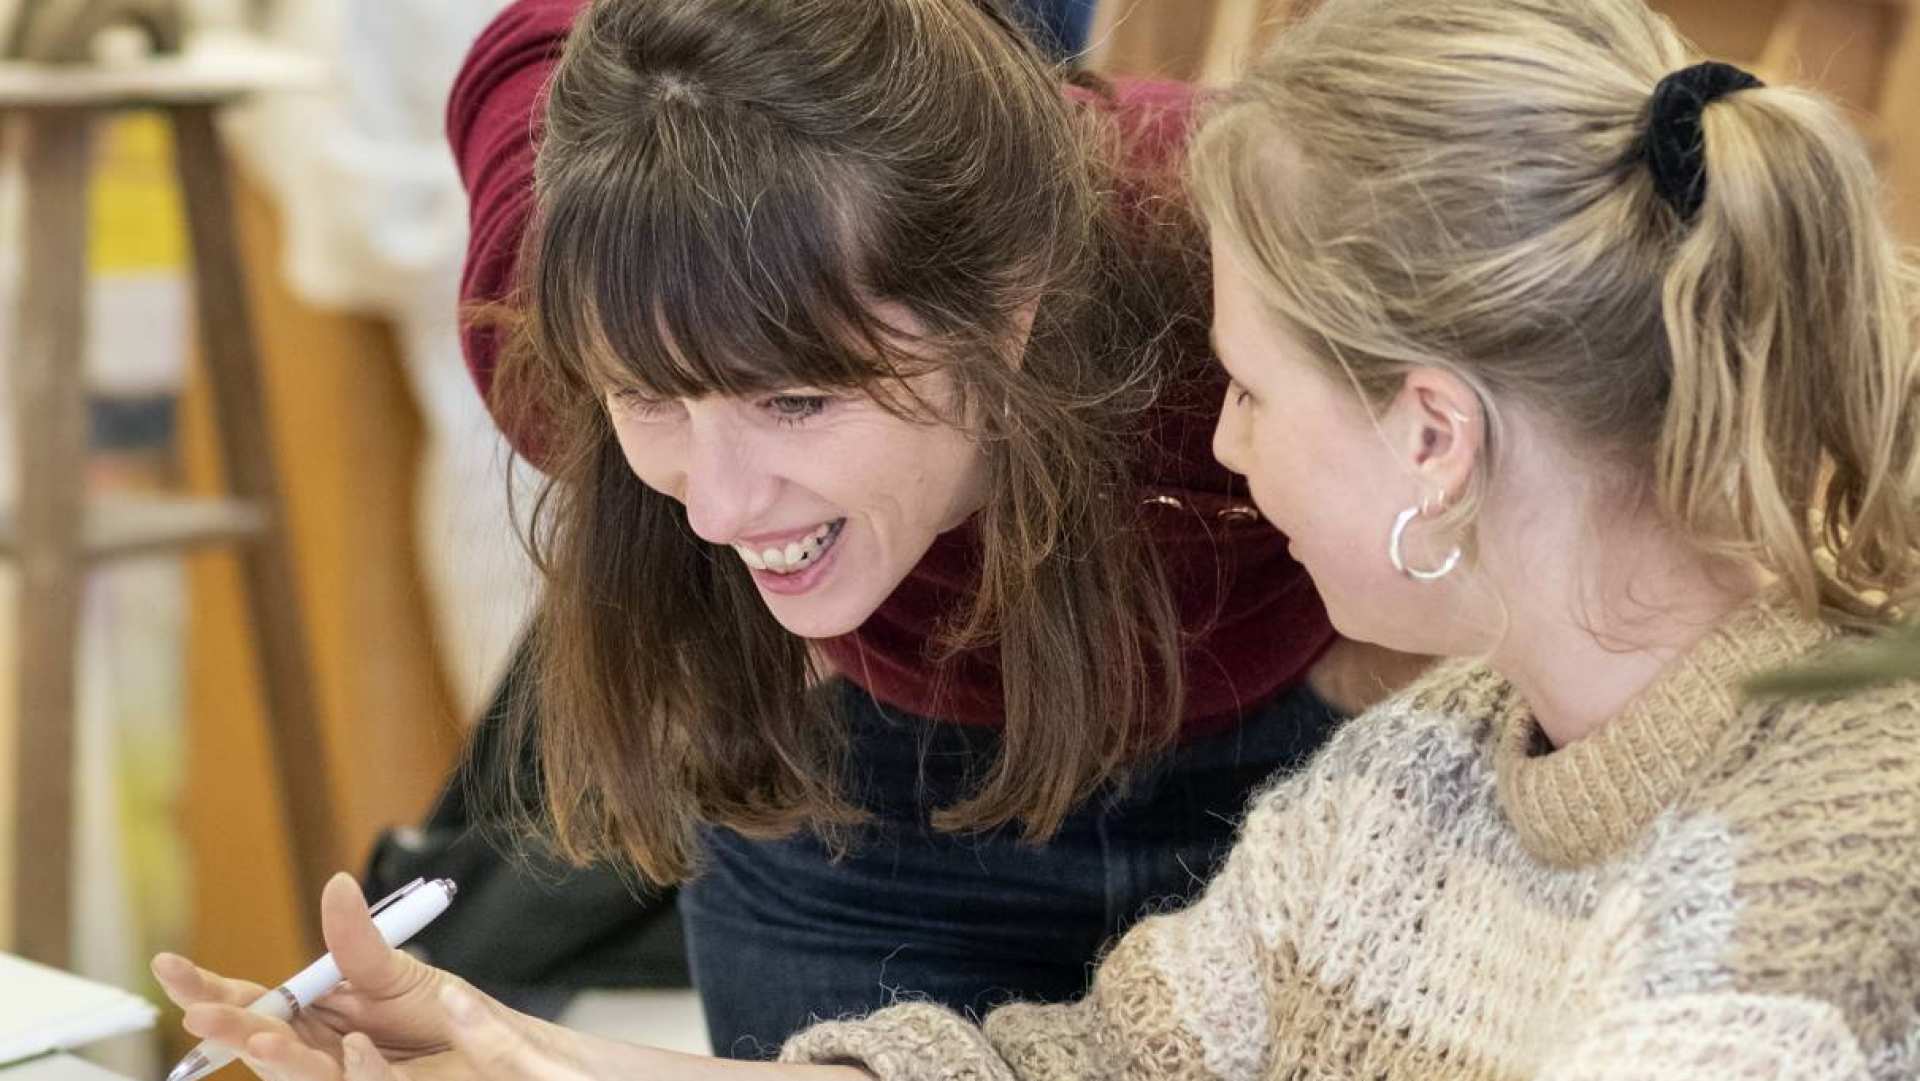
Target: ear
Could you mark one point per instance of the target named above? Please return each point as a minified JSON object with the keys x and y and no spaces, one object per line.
{"x":1439,"y":431}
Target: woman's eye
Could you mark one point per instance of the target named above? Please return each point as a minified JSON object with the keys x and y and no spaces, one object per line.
{"x":794,"y":408}
{"x":1241,"y":395}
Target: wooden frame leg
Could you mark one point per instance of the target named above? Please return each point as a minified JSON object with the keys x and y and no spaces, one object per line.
{"x":49,"y":389}
{"x":246,"y":447}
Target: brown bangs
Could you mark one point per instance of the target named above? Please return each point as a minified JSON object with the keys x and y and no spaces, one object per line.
{"x":662,"y":269}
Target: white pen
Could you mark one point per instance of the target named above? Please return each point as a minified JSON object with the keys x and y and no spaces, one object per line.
{"x":399,"y":916}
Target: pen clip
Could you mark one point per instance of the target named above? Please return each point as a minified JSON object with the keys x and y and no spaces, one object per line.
{"x":395,"y":896}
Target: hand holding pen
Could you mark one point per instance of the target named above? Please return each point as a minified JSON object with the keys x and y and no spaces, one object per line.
{"x":390,"y":996}
{"x":394,"y":1019}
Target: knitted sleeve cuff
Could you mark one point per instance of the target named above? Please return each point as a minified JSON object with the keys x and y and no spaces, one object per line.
{"x":911,"y":1042}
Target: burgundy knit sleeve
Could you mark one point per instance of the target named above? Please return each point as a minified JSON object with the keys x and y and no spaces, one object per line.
{"x":491,"y":119}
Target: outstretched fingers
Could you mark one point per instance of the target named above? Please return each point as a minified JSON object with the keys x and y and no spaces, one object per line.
{"x":188,"y":984}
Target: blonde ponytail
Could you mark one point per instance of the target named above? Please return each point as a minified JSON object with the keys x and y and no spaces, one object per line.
{"x":1465,"y":183}
{"x":1790,"y":428}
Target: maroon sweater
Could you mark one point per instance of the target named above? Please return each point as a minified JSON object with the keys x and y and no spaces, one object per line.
{"x":1253,"y":620}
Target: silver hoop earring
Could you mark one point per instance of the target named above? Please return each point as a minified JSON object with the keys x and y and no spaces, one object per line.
{"x":1400,"y":564}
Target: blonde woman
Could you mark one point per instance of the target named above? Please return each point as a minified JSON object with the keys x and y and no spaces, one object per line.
{"x":1594,"y":367}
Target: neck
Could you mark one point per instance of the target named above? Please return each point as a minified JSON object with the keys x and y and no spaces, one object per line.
{"x":1579,"y":653}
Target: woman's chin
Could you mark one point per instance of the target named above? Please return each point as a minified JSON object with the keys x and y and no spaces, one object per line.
{"x":817,"y":616}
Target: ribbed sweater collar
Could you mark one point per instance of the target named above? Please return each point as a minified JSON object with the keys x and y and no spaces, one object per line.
{"x":1589,"y":800}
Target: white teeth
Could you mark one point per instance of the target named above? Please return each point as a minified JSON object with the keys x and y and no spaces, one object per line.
{"x":795,"y":556}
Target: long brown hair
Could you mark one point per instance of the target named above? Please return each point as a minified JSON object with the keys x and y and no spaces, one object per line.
{"x":723,"y":188}
{"x":1460,"y":183}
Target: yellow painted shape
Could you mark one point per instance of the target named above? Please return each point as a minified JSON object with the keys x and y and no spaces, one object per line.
{"x":137,"y":222}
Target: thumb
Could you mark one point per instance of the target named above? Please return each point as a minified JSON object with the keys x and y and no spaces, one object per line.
{"x":365,"y":959}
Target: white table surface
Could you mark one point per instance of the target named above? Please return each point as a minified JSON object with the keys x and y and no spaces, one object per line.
{"x":57,"y":1067}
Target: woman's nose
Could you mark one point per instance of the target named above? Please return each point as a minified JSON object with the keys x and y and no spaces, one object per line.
{"x":728,"y":487}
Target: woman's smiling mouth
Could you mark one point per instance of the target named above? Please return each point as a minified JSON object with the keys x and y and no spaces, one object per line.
{"x":796,"y":555}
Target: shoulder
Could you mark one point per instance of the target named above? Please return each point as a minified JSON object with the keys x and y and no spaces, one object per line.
{"x":507,"y":66}
{"x":1836,"y":768}
{"x":1794,"y":870}
{"x":1426,"y":751}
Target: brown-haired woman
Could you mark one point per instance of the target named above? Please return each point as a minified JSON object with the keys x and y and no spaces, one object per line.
{"x":870,"y":372}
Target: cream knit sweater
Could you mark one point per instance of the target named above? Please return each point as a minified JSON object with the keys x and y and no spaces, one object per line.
{"x":1704,"y":889}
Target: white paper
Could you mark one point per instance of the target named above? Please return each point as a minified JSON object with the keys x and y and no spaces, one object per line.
{"x":57,"y":1068}
{"x":44,"y":1009}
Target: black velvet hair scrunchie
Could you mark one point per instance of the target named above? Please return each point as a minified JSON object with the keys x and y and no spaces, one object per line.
{"x":1675,"y":150}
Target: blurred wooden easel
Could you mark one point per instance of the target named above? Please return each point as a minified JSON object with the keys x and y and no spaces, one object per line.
{"x":51,"y":100}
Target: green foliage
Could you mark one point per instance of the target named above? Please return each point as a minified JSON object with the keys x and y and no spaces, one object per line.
{"x":1895,"y":656}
